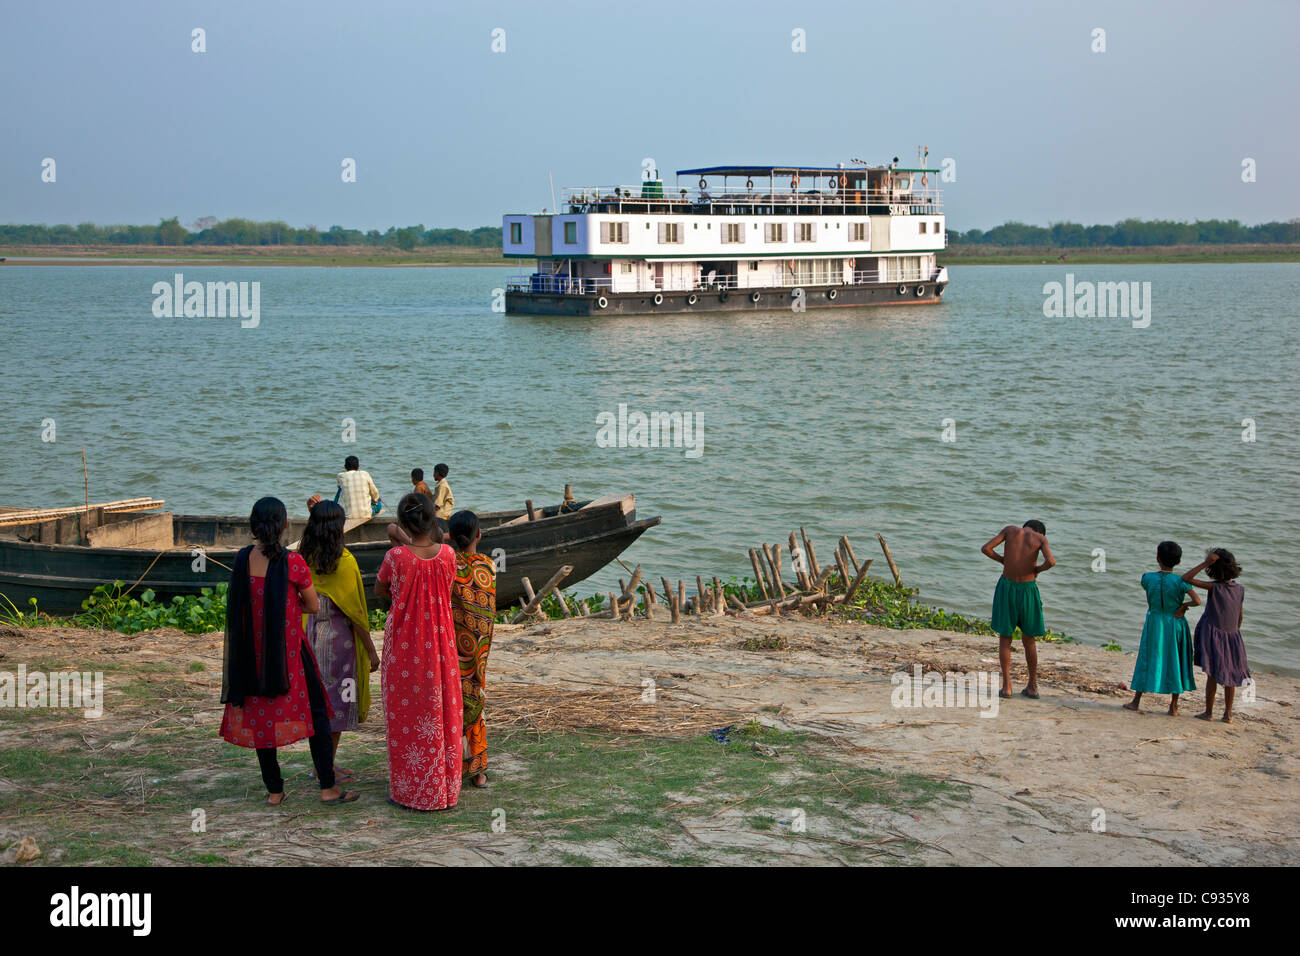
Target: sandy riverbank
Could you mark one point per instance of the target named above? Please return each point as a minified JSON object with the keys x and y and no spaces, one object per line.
{"x":880,"y":784}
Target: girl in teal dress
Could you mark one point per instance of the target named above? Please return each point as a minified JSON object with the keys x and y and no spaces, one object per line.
{"x":1164,"y":661}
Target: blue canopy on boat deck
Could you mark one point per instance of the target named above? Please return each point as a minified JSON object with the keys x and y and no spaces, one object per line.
{"x":765,"y":170}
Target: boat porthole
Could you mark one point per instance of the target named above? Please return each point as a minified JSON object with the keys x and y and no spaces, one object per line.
{"x":659,"y":298}
{"x":902,"y":290}
{"x":602,"y":302}
{"x":754,"y":297}
{"x":920,"y":291}
{"x":832,"y":293}
{"x":691,"y":299}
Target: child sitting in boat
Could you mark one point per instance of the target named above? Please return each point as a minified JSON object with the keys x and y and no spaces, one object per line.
{"x":1218,"y":648}
{"x":1164,"y":661}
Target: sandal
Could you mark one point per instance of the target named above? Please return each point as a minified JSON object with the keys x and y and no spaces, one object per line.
{"x":279,"y":803}
{"x":1025,"y":693}
{"x":474,"y":780}
{"x":347,"y":796}
{"x":341,"y":775}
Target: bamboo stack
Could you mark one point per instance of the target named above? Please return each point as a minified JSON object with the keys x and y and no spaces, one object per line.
{"x":809,"y":591}
{"x":36,"y":515}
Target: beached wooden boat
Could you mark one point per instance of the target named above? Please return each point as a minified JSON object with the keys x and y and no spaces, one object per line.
{"x":59,"y":563}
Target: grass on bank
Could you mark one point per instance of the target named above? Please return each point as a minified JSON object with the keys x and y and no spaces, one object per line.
{"x":133,"y":789}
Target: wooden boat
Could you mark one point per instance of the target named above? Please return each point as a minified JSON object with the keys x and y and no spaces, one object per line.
{"x":59,"y":563}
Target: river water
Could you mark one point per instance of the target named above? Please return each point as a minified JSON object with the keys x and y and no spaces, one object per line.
{"x":1116,"y":437}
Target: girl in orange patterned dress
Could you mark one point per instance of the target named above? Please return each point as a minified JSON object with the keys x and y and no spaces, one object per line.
{"x":473,"y":605}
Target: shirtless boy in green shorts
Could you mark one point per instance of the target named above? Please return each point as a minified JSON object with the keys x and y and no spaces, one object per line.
{"x":1015,"y":600}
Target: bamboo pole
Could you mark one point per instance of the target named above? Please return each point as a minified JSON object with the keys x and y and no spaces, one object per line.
{"x":629,"y":592}
{"x":848,"y":552}
{"x":843,"y":569}
{"x":699,"y":601}
{"x":893,"y":568}
{"x":532,"y":512}
{"x":773,"y":556}
{"x":720,"y":598}
{"x":813,"y":569}
{"x":801,"y":576}
{"x":681,"y":595}
{"x":758,"y":573}
{"x":857,"y":581}
{"x":537,"y":599}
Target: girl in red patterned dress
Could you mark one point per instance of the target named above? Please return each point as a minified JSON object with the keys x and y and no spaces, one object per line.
{"x":420,"y":676}
{"x":269,"y":682}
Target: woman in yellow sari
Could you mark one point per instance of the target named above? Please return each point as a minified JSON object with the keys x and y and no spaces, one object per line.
{"x":473,"y":606}
{"x":340,"y":631}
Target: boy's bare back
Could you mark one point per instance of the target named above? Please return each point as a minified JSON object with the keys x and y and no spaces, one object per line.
{"x":1020,"y":550}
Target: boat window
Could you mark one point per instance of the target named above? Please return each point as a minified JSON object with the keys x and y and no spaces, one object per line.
{"x":805,"y":231}
{"x":670,"y":232}
{"x":775,"y":232}
{"x":570,"y":233}
{"x":516,"y":232}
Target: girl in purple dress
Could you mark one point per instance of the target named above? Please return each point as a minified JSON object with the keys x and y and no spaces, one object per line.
{"x":1219,"y":649}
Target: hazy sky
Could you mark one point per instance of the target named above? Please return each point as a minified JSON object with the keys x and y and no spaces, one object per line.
{"x":448,"y":133}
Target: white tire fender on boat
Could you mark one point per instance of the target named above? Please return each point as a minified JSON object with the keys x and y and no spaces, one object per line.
{"x":602,"y":302}
{"x":920,"y":291}
{"x":692,"y":299}
{"x":659,"y":298}
{"x":754,"y":297}
{"x":832,"y":293}
{"x":902,"y":290}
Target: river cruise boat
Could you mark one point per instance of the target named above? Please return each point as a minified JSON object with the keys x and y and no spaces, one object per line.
{"x":732,"y":238}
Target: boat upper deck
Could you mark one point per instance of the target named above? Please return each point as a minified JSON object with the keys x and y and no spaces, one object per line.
{"x":768,"y":190}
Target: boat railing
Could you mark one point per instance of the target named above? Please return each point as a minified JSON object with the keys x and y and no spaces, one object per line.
{"x":685,"y":201}
{"x":566,"y":285}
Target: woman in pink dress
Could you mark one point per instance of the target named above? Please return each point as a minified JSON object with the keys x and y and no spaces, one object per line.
{"x":270,"y":683}
{"x":420,"y":675}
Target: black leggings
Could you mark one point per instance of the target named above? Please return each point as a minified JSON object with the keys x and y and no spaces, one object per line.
{"x":321,"y":740}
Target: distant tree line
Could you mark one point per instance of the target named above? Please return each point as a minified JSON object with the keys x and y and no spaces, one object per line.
{"x":244,"y":232}
{"x":1129,"y":232}
{"x":248,"y":232}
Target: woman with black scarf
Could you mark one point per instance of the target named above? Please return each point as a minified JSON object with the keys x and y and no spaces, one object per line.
{"x":270,"y":683}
